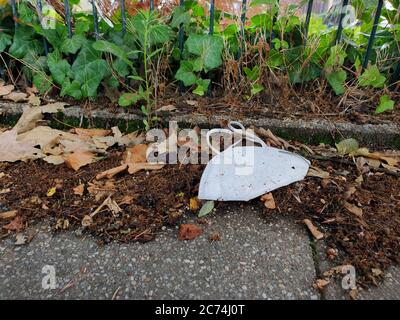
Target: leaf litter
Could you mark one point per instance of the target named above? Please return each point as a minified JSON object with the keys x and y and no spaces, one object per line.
{"x":350,"y":198}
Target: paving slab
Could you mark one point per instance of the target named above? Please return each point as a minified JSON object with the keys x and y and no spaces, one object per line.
{"x":258,"y":257}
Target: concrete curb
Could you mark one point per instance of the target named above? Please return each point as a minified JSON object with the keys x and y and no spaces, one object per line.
{"x":311,"y":131}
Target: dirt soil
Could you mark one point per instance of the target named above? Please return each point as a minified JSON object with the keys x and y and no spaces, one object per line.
{"x":308,"y":102}
{"x":149,"y":200}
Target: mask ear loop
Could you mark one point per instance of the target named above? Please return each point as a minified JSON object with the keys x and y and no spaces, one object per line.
{"x":244,"y":133}
{"x":219,"y":131}
{"x":232,"y":130}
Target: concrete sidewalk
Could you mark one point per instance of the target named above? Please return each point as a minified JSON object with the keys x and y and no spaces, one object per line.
{"x":258,"y":257}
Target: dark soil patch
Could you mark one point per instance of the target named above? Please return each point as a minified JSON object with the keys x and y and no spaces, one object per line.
{"x":148,"y":200}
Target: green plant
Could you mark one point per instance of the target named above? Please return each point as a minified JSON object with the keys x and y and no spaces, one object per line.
{"x":385,"y":104}
{"x":202,"y":54}
{"x":151,"y":36}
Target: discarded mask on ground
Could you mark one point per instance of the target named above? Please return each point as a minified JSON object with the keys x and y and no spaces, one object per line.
{"x":242,"y":173}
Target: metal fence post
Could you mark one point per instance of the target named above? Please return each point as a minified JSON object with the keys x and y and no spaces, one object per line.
{"x":373,"y":34}
{"x":68,"y":18}
{"x":95,"y":19}
{"x":211,"y":32}
{"x":340,"y":25}
{"x":14,"y":13}
{"x":274,"y":19}
{"x":123,"y":17}
{"x":243,"y":17}
{"x":181,"y":35}
{"x":212,"y":14}
{"x":151,"y":5}
{"x":308,"y":18}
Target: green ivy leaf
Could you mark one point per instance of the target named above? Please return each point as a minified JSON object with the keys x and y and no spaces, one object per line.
{"x":149,"y":28}
{"x":202,"y":86}
{"x":25,"y":42}
{"x":82,"y":26}
{"x":372,"y":77}
{"x":105,"y":46}
{"x":180,"y":16}
{"x":255,"y":3}
{"x":89,"y":70}
{"x":252,"y":74}
{"x":185,"y":73}
{"x":127,"y":99}
{"x":256,"y":88}
{"x":72,"y":89}
{"x":58,"y":67}
{"x":42,"y":82}
{"x":336,"y":57}
{"x":337,"y":79}
{"x":73,"y":44}
{"x":5,"y":41}
{"x":208,"y":48}
{"x":120,"y":67}
{"x":385,"y":104}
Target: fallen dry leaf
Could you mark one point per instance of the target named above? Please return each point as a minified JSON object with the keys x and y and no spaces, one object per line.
{"x":317,"y":173}
{"x":167,"y":108}
{"x":79,"y":159}
{"x":13,"y":150}
{"x":314,"y":230}
{"x":92,"y":132}
{"x":56,"y":160}
{"x":353,"y":209}
{"x":269,"y":201}
{"x":276,"y":141}
{"x":320,"y":284}
{"x":136,"y":167}
{"x":101,"y":189}
{"x":8,"y":214}
{"x":390,"y":159}
{"x":22,"y":239}
{"x":377,"y":272}
{"x":5,"y":90}
{"x":353,"y":294}
{"x":189,"y":231}
{"x":194,"y":204}
{"x":32,"y":90}
{"x":15,"y":225}
{"x":136,"y":154}
{"x":215,"y":236}
{"x":32,"y":115}
{"x":79,"y":190}
{"x":111,"y":172}
{"x":16,"y":96}
{"x":127,"y":199}
{"x":192,"y":102}
{"x":34,"y":100}
{"x":349,"y":192}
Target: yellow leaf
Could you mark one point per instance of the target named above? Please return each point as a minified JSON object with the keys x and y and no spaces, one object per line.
{"x":51,"y":192}
{"x":194,"y":204}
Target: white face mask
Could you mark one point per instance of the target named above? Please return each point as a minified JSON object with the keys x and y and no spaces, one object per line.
{"x":242,"y":173}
